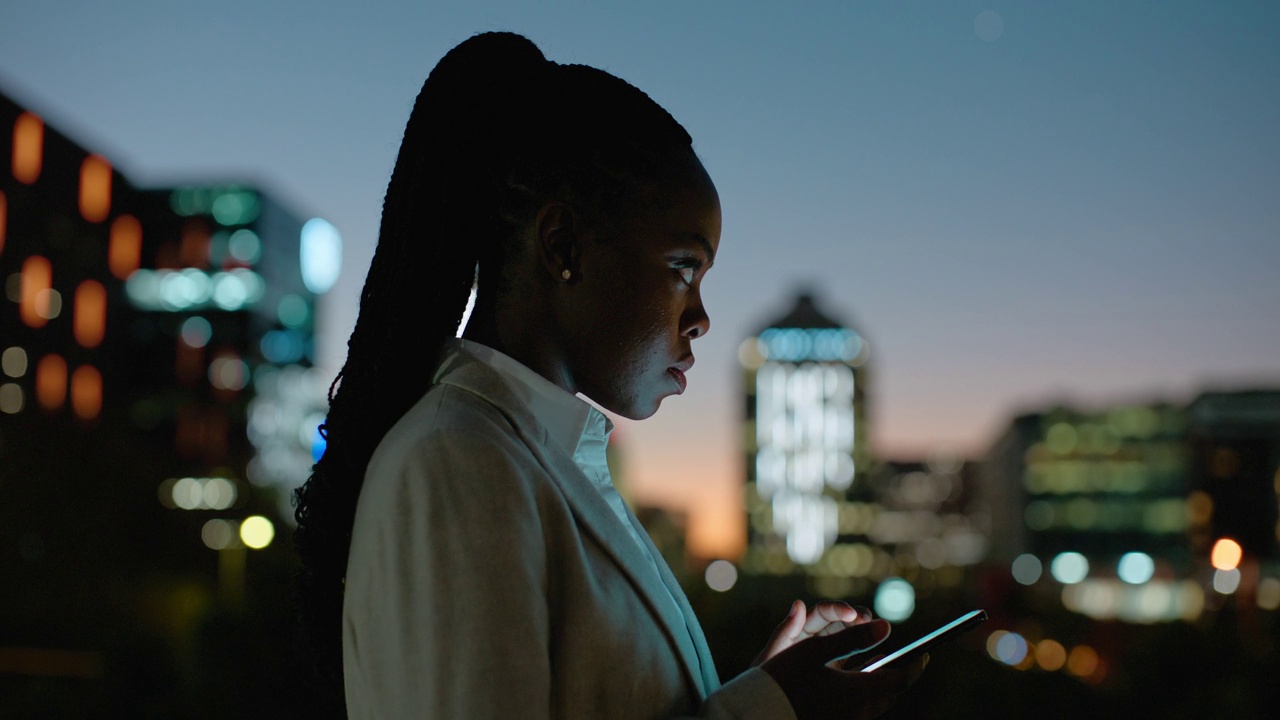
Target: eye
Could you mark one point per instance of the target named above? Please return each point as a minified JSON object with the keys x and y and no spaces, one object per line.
{"x":688,"y":270}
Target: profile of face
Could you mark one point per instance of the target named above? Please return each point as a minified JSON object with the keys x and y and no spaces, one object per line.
{"x":635,"y":308}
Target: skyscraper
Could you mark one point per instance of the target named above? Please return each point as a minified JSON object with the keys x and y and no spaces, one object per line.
{"x":805,"y":378}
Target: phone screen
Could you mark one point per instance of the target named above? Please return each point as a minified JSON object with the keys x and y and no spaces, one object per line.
{"x":965,"y":622}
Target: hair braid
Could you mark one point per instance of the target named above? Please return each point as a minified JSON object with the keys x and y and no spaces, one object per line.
{"x":475,"y":162}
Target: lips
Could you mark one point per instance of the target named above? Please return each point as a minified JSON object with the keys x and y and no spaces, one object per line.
{"x":679,"y":377}
{"x":678,"y":370}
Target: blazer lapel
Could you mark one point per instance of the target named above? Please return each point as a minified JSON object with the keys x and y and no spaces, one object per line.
{"x":710,"y":677}
{"x":599,"y":520}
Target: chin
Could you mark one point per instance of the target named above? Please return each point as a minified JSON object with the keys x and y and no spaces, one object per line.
{"x":638,"y":408}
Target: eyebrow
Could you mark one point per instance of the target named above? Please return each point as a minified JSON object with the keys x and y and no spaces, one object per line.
{"x":706,"y":245}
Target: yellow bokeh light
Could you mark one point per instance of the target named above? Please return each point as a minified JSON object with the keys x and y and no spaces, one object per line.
{"x":1226,"y":554}
{"x":257,"y":532}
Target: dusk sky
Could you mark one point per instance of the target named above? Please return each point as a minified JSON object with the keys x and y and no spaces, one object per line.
{"x":1016,"y":203}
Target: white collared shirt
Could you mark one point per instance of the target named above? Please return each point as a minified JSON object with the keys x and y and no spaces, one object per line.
{"x":571,"y":422}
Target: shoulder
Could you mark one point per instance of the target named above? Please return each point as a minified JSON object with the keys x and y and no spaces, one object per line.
{"x":453,"y":448}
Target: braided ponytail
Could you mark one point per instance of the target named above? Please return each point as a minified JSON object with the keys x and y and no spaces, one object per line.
{"x":481,"y":151}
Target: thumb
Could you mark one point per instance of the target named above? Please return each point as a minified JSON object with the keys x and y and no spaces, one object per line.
{"x":838,"y":646}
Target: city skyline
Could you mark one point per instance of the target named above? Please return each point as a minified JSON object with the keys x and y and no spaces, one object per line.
{"x":1016,"y":206}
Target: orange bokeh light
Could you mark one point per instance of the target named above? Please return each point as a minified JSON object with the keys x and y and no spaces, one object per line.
{"x":51,"y":382}
{"x":91,"y":313}
{"x":37,"y":277}
{"x":124,"y":251}
{"x":95,"y":188}
{"x":28,"y":147}
{"x":1226,"y":554}
{"x":1051,"y":655}
{"x":86,"y":392}
{"x":1083,"y":661}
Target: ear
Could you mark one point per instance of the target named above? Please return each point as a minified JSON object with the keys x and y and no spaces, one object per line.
{"x":559,"y":234}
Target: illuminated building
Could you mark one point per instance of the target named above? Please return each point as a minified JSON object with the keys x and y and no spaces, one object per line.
{"x":1121,"y":506}
{"x":156,"y":395}
{"x":808,"y":459}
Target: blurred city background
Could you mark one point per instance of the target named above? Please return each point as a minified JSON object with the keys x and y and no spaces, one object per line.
{"x":994,"y":324}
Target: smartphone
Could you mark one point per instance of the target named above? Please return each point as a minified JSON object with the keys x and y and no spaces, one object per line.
{"x":964,"y":623}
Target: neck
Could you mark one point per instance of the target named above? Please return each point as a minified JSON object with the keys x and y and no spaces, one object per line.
{"x":521,"y":341}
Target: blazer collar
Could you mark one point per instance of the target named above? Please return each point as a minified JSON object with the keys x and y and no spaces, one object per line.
{"x":594,"y":514}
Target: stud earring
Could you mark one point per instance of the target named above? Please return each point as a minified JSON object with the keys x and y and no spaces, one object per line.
{"x":566,"y":274}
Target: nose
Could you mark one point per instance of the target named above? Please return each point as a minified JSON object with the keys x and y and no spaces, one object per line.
{"x":695,"y":322}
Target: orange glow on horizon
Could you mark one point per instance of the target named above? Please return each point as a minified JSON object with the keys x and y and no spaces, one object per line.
{"x":28,"y":147}
{"x":90,"y":313}
{"x":37,"y":277}
{"x":86,"y":392}
{"x":124,"y":251}
{"x":51,"y":382}
{"x":95,"y":188}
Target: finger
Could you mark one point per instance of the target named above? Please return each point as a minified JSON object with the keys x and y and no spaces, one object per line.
{"x":828,"y":618}
{"x":864,"y":614}
{"x":787,"y":631}
{"x":851,"y":640}
{"x":833,"y":612}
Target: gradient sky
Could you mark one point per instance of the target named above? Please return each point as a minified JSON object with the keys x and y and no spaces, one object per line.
{"x":1016,"y":203}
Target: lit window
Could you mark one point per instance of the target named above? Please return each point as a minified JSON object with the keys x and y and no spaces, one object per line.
{"x":37,"y":277}
{"x":28,"y":147}
{"x":95,"y":188}
{"x":86,"y":392}
{"x":51,"y":382}
{"x":91,"y":313}
{"x":124,"y":253}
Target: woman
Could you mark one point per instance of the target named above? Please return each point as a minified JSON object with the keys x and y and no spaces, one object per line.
{"x":465,"y":554}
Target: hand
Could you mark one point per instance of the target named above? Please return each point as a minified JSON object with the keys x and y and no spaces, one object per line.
{"x":818,"y":690}
{"x":825,"y":618}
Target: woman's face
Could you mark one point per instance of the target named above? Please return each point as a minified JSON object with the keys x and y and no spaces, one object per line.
{"x":637,"y":304}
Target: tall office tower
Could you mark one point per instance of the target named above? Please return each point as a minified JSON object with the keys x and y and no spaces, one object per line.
{"x":156,"y":396}
{"x":806,"y":440}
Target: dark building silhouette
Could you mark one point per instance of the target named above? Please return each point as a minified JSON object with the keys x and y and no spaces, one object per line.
{"x":156,"y":402}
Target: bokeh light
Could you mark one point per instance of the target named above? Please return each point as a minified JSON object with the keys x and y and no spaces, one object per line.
{"x":257,"y":532}
{"x":1027,"y":569}
{"x":1069,"y":568}
{"x":1226,"y":554}
{"x":1082,"y":661}
{"x":895,"y":599}
{"x":1136,"y":568}
{"x":196,"y":331}
{"x":1050,"y":655}
{"x":219,"y":534}
{"x":721,"y":575}
{"x":1269,"y":593}
{"x":1226,"y":581}
{"x":14,"y":362}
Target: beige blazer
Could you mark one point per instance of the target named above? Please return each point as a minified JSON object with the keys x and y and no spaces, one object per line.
{"x":488,"y":578}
